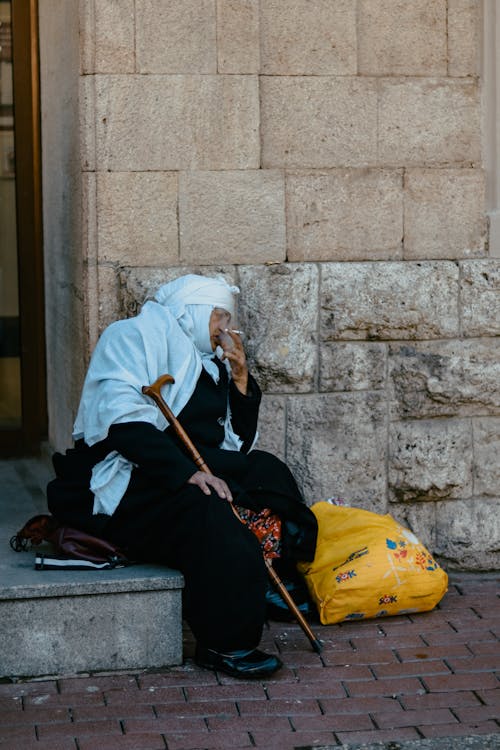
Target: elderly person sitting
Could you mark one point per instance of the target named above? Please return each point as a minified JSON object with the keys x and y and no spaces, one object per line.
{"x":129,"y":480}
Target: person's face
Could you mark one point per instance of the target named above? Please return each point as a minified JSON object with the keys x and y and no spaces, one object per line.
{"x":219,"y":320}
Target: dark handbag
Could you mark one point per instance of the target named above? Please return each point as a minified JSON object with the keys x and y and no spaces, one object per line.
{"x":69,"y":544}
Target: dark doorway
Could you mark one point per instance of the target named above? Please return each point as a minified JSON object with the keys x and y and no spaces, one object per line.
{"x":22,"y":351}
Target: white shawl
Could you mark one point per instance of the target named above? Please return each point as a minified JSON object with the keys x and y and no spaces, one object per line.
{"x":135,"y":352}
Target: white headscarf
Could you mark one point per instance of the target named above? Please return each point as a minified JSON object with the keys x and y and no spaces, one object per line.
{"x":196,"y":290}
{"x":191,"y":299}
{"x":170,"y":335}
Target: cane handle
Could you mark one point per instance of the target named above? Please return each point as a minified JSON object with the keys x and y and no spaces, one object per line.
{"x":154,"y":391}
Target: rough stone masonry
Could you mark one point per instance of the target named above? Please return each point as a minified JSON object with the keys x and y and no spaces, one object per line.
{"x":327,"y":157}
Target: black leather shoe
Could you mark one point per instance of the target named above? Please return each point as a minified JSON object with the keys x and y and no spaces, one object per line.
{"x":254,"y":664}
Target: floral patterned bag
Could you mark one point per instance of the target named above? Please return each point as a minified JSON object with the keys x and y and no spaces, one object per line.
{"x":368,"y":565}
{"x":266,"y":526}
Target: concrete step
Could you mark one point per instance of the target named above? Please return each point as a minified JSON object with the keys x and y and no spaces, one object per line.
{"x":65,"y":622}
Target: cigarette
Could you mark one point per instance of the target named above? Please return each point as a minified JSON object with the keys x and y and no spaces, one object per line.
{"x":233,"y":330}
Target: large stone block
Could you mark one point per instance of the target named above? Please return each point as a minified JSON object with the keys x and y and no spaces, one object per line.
{"x":389,"y":300}
{"x":420,"y":518}
{"x":402,"y":38}
{"x":444,"y":213}
{"x":430,"y":460}
{"x":238,"y":43}
{"x":318,"y":121}
{"x":86,"y":34}
{"x":86,"y":91}
{"x":486,"y":433}
{"x":279,"y":317}
{"x":88,"y":219}
{"x":108,"y":293}
{"x":480,"y":297}
{"x":177,"y":122}
{"x":131,"y":619}
{"x":464,"y":37}
{"x":345,"y":214}
{"x":114,"y":29}
{"x":468,"y":533}
{"x":429,"y":122}
{"x":444,"y":378}
{"x":89,"y":270}
{"x":233,"y":217}
{"x":308,"y":37}
{"x":138,"y":217}
{"x":336,"y":446}
{"x":63,"y":637}
{"x":176,"y":37}
{"x":272,"y":425}
{"x":352,"y":367}
{"x":136,"y":285}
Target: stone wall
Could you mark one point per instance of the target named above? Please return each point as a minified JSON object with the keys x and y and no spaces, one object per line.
{"x":64,"y":257}
{"x":327,"y":157}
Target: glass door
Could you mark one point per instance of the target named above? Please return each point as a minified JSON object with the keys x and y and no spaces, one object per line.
{"x":22,"y":361}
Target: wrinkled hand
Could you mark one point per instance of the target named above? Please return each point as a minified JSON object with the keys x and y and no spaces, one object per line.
{"x":206,"y":481}
{"x":232,"y":347}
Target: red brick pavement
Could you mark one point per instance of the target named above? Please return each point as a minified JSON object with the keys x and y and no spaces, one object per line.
{"x":429,"y":675}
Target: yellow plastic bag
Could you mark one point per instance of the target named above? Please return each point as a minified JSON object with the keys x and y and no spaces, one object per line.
{"x":368,"y":565}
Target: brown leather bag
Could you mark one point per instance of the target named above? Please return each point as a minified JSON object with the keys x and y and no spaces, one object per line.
{"x":67,"y":542}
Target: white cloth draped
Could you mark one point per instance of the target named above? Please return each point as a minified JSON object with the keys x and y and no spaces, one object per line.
{"x":135,"y":352}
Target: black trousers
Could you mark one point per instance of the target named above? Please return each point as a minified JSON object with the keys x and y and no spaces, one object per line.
{"x":224,"y":571}
{"x":221,"y":560}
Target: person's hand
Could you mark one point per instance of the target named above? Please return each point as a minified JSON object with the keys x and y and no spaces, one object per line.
{"x":206,"y":481}
{"x":232,"y":346}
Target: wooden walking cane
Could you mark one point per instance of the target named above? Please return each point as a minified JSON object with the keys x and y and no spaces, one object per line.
{"x":154,"y":391}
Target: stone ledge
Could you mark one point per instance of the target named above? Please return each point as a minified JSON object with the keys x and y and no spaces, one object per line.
{"x":26,"y":582}
{"x":55,"y":622}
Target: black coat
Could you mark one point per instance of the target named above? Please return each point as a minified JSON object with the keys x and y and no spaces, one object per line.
{"x":163,"y":519}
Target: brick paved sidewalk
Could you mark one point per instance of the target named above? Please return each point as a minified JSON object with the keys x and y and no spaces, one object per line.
{"x":424,"y":676}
